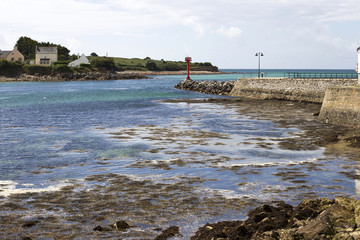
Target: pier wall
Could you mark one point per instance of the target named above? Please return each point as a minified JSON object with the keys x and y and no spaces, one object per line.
{"x":309,"y":90}
{"x":341,"y":106}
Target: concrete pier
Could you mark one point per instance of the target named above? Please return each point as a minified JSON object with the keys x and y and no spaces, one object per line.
{"x":309,"y":90}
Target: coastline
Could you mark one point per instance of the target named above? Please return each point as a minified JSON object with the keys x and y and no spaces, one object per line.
{"x":97,"y":76}
{"x":73,"y":77}
{"x":183,"y":72}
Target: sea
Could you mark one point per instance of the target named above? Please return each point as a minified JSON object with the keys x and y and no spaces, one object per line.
{"x":52,"y":133}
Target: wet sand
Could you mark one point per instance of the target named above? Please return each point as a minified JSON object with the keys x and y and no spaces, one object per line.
{"x":88,"y":208}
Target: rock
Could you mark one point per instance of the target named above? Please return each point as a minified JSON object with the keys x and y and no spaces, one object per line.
{"x":26,"y":238}
{"x":168,"y":233}
{"x":98,"y":228}
{"x":311,"y":219}
{"x":29,"y":224}
{"x":121,"y":225}
{"x":101,"y":229}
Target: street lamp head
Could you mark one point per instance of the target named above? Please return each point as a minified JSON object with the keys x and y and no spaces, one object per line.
{"x":259,"y":54}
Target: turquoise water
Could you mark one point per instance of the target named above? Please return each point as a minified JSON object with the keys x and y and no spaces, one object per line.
{"x":294,"y":73}
{"x":55,"y":131}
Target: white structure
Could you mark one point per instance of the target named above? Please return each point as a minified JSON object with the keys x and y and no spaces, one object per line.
{"x":358,"y":65}
{"x":46,"y":56}
{"x":80,"y":60}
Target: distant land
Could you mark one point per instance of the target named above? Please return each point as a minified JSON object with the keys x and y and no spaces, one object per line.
{"x":148,"y":64}
{"x":25,"y":63}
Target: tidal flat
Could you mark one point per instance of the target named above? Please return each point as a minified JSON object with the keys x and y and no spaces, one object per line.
{"x":188,"y":171}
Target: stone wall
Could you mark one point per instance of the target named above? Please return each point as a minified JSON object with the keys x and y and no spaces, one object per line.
{"x":309,"y":90}
{"x":341,"y":106}
{"x":207,"y":87}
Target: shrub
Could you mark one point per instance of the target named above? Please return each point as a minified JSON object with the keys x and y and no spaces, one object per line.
{"x":41,"y":70}
{"x":61,"y":63}
{"x":10,"y":69}
{"x":170,"y":66}
{"x":151,"y":66}
{"x":62,"y":69}
{"x":103,"y":63}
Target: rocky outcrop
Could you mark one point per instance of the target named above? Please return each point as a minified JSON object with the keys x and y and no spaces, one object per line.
{"x":74,"y":77}
{"x":207,"y":87}
{"x":311,"y":219}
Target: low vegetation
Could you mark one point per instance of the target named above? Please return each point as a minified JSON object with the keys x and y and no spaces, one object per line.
{"x":148,"y":64}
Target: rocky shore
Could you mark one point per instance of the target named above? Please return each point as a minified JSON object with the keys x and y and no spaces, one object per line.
{"x":207,"y":87}
{"x":74,"y":77}
{"x":311,"y":219}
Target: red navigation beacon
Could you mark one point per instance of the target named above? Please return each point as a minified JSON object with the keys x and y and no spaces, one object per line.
{"x":188,"y":60}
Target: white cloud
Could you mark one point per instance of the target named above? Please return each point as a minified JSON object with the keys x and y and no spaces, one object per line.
{"x":230,"y":32}
{"x":128,"y":27}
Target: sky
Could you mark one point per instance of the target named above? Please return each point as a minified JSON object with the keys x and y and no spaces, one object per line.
{"x":291,"y":34}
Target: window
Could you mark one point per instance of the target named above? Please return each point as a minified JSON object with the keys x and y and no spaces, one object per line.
{"x":12,"y":59}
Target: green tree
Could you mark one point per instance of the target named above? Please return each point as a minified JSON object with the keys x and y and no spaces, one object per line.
{"x":73,"y":57}
{"x":27,"y":46}
{"x":63,"y":53}
{"x":93,"y":54}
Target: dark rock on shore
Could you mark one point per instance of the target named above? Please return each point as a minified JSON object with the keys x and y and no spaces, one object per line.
{"x":311,"y":219}
{"x":74,"y":77}
{"x":121,"y":225}
{"x":168,"y":233}
{"x":207,"y":87}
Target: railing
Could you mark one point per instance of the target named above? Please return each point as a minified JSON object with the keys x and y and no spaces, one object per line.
{"x":301,"y":75}
{"x":321,"y":75}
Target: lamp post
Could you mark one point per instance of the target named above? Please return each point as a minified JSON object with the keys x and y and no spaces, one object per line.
{"x":259,"y":54}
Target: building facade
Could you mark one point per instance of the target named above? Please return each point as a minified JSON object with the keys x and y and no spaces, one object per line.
{"x":80,"y":60}
{"x":12,"y":56}
{"x":46,"y":56}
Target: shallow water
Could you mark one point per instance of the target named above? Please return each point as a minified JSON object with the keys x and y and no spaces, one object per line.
{"x":212,"y":160}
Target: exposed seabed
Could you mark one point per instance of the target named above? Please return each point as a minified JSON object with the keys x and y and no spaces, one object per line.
{"x":308,"y":160}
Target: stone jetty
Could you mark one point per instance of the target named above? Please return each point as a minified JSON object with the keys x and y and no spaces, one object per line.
{"x":207,"y":87}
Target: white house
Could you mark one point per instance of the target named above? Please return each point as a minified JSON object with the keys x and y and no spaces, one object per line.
{"x":46,"y":55}
{"x":80,"y":60}
{"x":358,"y":65}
